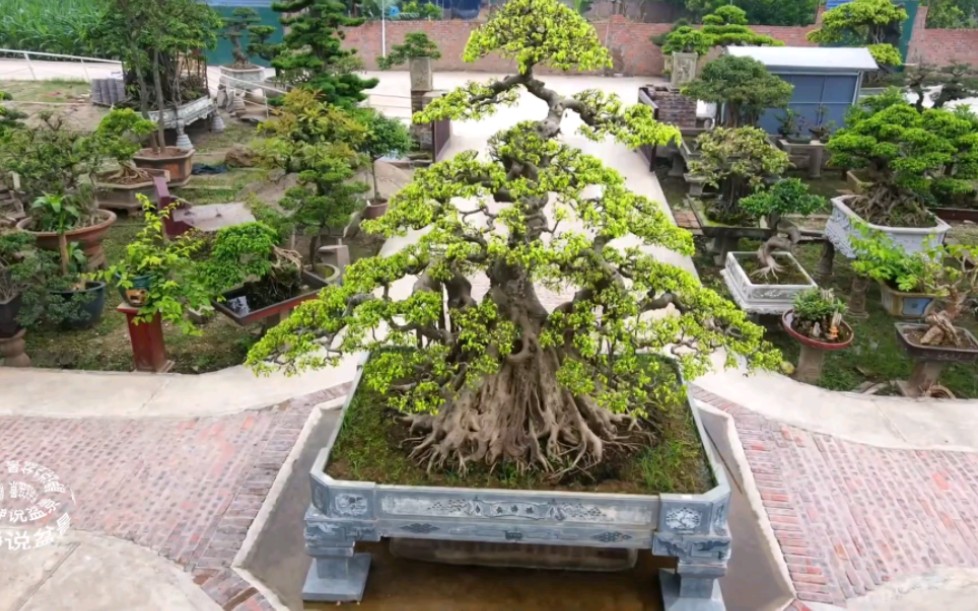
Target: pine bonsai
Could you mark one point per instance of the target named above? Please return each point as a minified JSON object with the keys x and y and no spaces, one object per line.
{"x":416,"y":45}
{"x":744,"y":85}
{"x":311,"y":54}
{"x":497,"y":377}
{"x":725,"y":27}
{"x":242,"y":20}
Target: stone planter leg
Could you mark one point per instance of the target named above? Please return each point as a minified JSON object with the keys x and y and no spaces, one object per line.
{"x":810,"y":363}
{"x":823,"y":273}
{"x":337,"y":573}
{"x":12,"y":351}
{"x":857,"y":298}
{"x":815,"y":162}
{"x":924,"y":375}
{"x":183,"y":140}
{"x":721,"y":245}
{"x":692,"y":587}
{"x":678,"y":167}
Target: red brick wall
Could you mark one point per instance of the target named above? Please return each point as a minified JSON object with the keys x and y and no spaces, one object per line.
{"x":634,"y":53}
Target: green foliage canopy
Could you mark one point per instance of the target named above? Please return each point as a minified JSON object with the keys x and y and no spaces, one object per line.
{"x":744,"y":85}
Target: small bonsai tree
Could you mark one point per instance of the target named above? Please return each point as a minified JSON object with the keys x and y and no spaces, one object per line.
{"x":416,"y":45}
{"x":821,"y":129}
{"x":322,"y":145}
{"x":744,"y":85}
{"x":786,"y":197}
{"x":817,"y":313}
{"x":384,"y":136}
{"x":508,"y":382}
{"x":879,"y":258}
{"x":24,"y":270}
{"x":243,"y":20}
{"x":51,"y":158}
{"x":119,"y":135}
{"x":950,"y":273}
{"x":166,"y":267}
{"x":248,"y":254}
{"x":736,"y":162}
{"x":727,"y":27}
{"x":874,"y":24}
{"x":911,"y":156}
{"x":790,"y":124}
{"x":311,"y":54}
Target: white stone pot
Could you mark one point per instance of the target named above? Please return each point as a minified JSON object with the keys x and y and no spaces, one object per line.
{"x":841,"y":227}
{"x":758,"y":298}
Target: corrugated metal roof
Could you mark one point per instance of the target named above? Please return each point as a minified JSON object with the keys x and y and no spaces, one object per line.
{"x":829,"y":59}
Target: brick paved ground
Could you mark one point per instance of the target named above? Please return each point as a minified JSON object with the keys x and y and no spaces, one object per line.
{"x":850,"y":517}
{"x":188,"y":489}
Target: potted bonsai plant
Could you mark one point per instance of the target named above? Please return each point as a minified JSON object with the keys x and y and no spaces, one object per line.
{"x":741,"y":85}
{"x":684,"y":46}
{"x":900,"y":274}
{"x":158,"y":274}
{"x":821,"y":129}
{"x":23,"y":273}
{"x":385,"y":137}
{"x":321,"y":144}
{"x":736,"y":162}
{"x":52,"y":159}
{"x":119,"y":135}
{"x":254,"y":279}
{"x":767,"y":282}
{"x":243,"y":73}
{"x":160,"y":46}
{"x":904,"y":153}
{"x":952,"y":277}
{"x":815,"y":322}
{"x":487,"y":383}
{"x":791,"y":127}
{"x":78,"y":301}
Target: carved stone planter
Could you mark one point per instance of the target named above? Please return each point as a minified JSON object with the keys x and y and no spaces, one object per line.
{"x":762,"y":298}
{"x":242,"y":78}
{"x":692,"y":528}
{"x":841,"y":227}
{"x":696,"y":184}
{"x":808,"y":155}
{"x":185,"y":114}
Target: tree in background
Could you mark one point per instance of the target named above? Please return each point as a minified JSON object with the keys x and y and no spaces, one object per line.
{"x":416,"y":45}
{"x":499,"y":379}
{"x":953,"y":82}
{"x":725,"y":27}
{"x":875,"y":24}
{"x":311,"y":54}
{"x":761,"y":12}
{"x":744,"y":85}
{"x":952,"y":14}
{"x":384,"y":136}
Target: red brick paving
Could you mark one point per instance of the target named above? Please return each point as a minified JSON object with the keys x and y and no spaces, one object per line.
{"x":850,"y":517}
{"x":187,"y":488}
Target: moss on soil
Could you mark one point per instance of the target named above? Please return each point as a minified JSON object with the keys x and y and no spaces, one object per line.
{"x":372,"y":446}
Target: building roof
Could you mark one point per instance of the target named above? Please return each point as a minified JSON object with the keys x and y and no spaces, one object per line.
{"x":827,"y":59}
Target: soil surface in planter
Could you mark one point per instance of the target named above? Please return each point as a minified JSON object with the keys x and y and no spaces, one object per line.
{"x":373,"y":445}
{"x":915,"y":335}
{"x":789,"y":274}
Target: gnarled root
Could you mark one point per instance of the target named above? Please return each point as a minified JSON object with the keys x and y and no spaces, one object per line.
{"x":522,"y":417}
{"x":941,"y":331}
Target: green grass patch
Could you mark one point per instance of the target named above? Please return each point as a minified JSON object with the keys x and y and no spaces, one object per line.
{"x":373,"y":446}
{"x":50,"y":91}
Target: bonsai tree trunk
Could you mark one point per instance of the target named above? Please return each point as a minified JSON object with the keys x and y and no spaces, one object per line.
{"x":160,"y":103}
{"x":373,"y":175}
{"x":63,"y":251}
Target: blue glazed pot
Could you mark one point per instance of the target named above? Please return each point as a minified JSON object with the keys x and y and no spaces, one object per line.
{"x":903,"y":305}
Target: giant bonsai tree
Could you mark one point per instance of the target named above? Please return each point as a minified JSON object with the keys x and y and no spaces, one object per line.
{"x":911,"y":157}
{"x":744,"y":85}
{"x":321,"y":144}
{"x":492,"y":374}
{"x":874,"y":24}
{"x":311,"y":54}
{"x":725,"y":27}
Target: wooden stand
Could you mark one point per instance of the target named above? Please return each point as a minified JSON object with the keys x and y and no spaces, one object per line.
{"x":148,"y":349}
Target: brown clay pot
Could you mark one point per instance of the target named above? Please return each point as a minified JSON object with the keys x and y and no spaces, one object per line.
{"x":375,"y":209}
{"x":177,"y":161}
{"x":88,"y":238}
{"x":812,"y":356}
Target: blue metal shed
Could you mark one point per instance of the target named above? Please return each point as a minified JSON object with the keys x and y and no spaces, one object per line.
{"x":822,"y":76}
